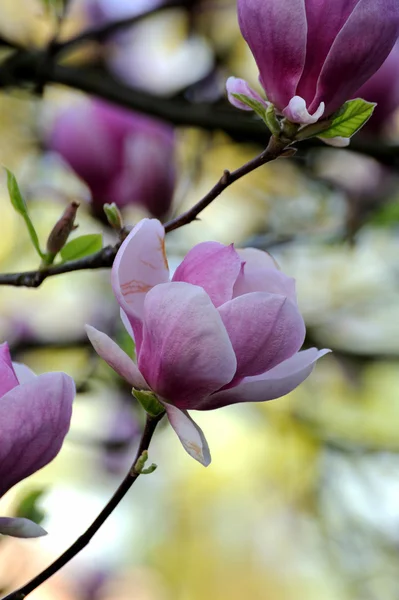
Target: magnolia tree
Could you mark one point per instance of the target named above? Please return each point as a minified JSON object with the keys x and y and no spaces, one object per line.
{"x":225,"y":326}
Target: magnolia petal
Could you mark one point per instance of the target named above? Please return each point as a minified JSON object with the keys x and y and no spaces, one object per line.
{"x":190,"y":435}
{"x":324,"y":19}
{"x":264,"y":329}
{"x":296,"y":111}
{"x":23,"y":373}
{"x":20,"y":528}
{"x":35,"y":418}
{"x":186,"y":353}
{"x":117,"y":358}
{"x":273,"y":384}
{"x":275,"y":31}
{"x":337,"y":142}
{"x":139,"y":265}
{"x":260,"y":273}
{"x":8,"y":378}
{"x":212,"y":266}
{"x":359,"y":49}
{"x":235,"y":85}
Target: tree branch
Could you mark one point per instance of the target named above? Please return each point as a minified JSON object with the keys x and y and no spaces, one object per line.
{"x":105,"y":257}
{"x":87,"y":536}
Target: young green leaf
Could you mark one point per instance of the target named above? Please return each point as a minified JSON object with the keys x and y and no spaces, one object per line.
{"x":18,"y":202}
{"x":349,"y":119}
{"x":255,"y":105}
{"x":82,"y":246}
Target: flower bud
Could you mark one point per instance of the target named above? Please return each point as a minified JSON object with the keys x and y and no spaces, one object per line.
{"x":62,"y":229}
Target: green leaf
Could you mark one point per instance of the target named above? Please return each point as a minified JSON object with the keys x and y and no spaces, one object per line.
{"x":28,"y":506}
{"x":149,"y":402}
{"x":82,"y":246}
{"x":18,"y":202}
{"x":255,"y":105}
{"x":349,"y":119}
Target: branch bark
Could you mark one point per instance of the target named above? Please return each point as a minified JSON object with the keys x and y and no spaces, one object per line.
{"x":105,"y":257}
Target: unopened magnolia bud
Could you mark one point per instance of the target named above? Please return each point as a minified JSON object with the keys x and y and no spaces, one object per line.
{"x":62,"y":229}
{"x":113,"y":215}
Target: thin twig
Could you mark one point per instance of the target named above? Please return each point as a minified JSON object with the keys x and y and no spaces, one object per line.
{"x":105,"y":257}
{"x":84,"y":539}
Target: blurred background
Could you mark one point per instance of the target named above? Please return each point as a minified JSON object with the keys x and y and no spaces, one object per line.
{"x":302,"y":497}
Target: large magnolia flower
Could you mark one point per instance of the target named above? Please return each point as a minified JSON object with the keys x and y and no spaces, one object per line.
{"x":226,"y":329}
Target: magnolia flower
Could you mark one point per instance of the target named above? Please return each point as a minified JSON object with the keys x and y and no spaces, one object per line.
{"x":313,"y":55}
{"x":383,"y":88}
{"x":35,"y":412}
{"x":122,"y":156}
{"x":226,"y":329}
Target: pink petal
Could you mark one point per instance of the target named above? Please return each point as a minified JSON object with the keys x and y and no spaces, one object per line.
{"x":275,"y":31}
{"x":34,"y":419}
{"x":190,"y":435}
{"x":297,"y":112}
{"x":186,"y":352}
{"x":264,"y":329}
{"x":235,"y":85}
{"x":336,"y":142}
{"x":325,"y":19}
{"x":140,"y":264}
{"x":117,"y":359}
{"x":8,"y":378}
{"x":23,"y":373}
{"x":360,"y":48}
{"x":214,"y":267}
{"x":273,"y":384}
{"x":20,"y":528}
{"x":259,"y":273}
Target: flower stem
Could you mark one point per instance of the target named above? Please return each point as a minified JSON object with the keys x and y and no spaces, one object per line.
{"x":85,"y":538}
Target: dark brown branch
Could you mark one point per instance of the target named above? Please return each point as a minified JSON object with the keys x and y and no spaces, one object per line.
{"x":84,"y":539}
{"x":105,"y":257}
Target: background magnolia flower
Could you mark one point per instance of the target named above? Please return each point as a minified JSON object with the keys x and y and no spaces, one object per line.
{"x":313,"y":55}
{"x":382,"y":88}
{"x":226,"y":329}
{"x":35,"y":413}
{"x":123,"y":157}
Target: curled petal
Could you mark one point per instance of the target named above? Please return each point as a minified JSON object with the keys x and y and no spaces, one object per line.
{"x":186,"y":353}
{"x":34,"y":419}
{"x":140,"y":264}
{"x":264,"y":329}
{"x":117,"y":359}
{"x":190,"y":435}
{"x":235,"y":85}
{"x":259,"y":273}
{"x":275,"y":383}
{"x":20,"y":528}
{"x":214,"y":267}
{"x":296,"y":112}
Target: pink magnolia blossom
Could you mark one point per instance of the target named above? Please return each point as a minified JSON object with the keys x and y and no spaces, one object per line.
{"x":226,"y":329}
{"x":35,"y":412}
{"x":313,"y":55}
{"x":122,"y":156}
{"x":382,"y":88}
